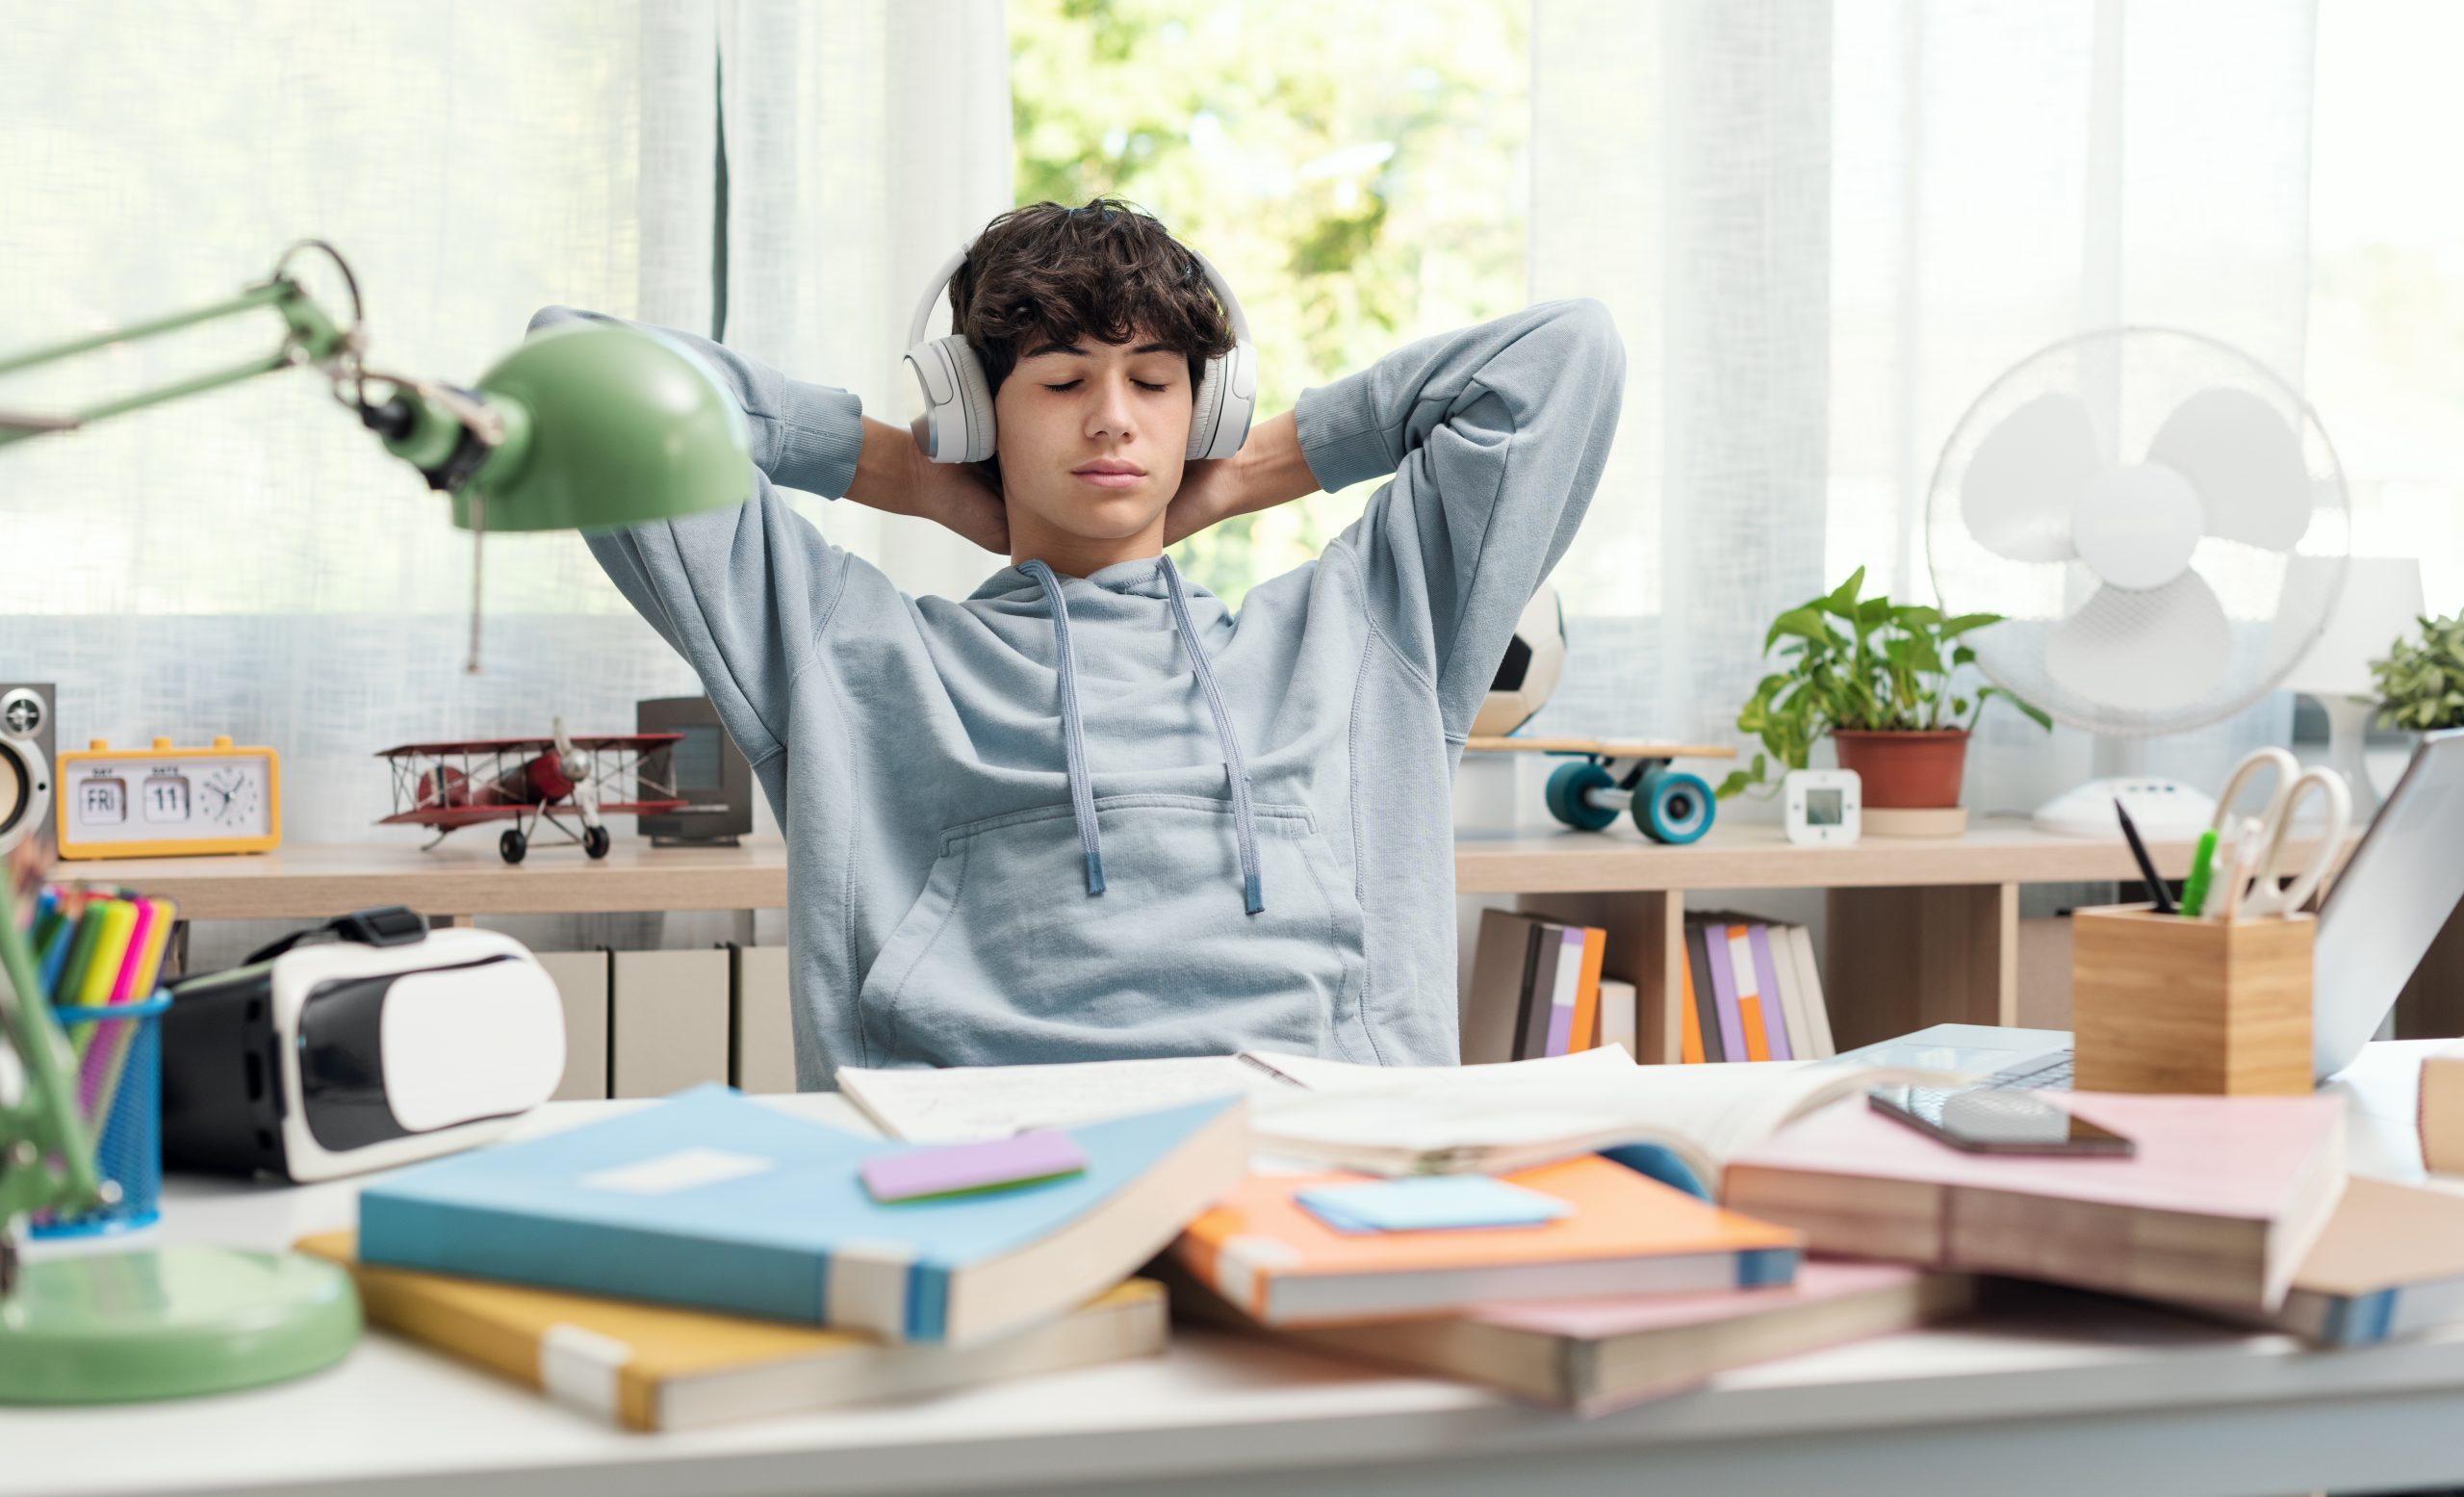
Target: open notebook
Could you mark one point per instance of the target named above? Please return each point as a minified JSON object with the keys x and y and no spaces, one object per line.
{"x":1438,"y":1120}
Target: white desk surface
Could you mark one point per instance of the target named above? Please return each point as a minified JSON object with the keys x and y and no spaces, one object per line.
{"x":2081,"y":1394}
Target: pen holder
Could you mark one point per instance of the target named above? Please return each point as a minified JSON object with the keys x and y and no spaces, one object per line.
{"x":119,"y":1093}
{"x":2159,"y":1003}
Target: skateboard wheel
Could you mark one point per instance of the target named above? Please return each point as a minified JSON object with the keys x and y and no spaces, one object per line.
{"x":1673,"y":806}
{"x":1569,"y":789}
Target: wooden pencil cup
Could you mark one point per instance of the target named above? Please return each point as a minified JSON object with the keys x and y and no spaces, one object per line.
{"x":2159,"y":1003}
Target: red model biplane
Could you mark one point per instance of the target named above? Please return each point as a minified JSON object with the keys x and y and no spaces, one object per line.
{"x":451,"y":786}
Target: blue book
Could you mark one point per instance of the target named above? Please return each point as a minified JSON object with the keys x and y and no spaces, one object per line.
{"x":714,"y":1201}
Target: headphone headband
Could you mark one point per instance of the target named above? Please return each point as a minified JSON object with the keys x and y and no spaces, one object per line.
{"x":941,"y":282}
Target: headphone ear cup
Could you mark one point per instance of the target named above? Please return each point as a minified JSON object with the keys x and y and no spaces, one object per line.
{"x":1206,"y":410}
{"x":1227,"y":397}
{"x":958,"y":405}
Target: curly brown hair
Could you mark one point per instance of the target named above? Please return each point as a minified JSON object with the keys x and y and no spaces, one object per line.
{"x":1107,"y":271}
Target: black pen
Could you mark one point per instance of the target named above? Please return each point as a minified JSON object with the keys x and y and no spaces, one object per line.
{"x":2156,"y":890}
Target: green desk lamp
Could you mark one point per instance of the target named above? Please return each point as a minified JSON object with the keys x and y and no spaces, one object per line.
{"x":583,"y":426}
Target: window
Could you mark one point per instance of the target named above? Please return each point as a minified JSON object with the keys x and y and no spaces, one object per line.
{"x":1358,"y":178}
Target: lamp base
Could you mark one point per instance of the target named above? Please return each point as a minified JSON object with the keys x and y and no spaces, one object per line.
{"x":175,"y":1322}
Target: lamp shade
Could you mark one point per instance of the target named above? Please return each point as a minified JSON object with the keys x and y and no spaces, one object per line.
{"x":2381,"y":598}
{"x":606,"y":426}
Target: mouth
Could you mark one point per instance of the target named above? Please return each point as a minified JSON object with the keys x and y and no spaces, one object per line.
{"x":1111,"y":473}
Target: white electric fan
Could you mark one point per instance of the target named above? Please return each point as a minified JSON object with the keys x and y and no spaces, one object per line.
{"x":2133,"y":502}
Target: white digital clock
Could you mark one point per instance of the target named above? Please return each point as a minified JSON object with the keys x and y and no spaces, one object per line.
{"x":1824,"y":807}
{"x":143,"y":803}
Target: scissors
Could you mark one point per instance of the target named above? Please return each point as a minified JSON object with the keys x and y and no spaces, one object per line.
{"x":2267,"y":834}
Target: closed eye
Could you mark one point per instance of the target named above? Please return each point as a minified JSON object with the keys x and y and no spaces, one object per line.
{"x":1073,"y":385}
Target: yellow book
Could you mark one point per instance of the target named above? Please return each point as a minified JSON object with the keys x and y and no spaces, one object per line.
{"x":654,"y":1367}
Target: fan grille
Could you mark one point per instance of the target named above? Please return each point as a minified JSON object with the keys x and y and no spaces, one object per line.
{"x":2133,"y":661}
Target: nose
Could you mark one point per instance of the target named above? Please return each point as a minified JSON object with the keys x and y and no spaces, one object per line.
{"x":1110,"y":416}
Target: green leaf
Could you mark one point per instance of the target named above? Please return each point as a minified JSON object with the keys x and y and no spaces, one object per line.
{"x":1953,"y":627}
{"x":1804,"y":623}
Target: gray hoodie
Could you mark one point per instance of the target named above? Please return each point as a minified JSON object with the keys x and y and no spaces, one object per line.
{"x":1074,"y":818}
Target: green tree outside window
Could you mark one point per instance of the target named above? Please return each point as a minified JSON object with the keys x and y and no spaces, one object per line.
{"x":1357,"y":172}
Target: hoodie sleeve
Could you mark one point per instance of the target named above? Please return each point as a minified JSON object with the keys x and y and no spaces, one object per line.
{"x":742,"y":593}
{"x":1496,"y":437}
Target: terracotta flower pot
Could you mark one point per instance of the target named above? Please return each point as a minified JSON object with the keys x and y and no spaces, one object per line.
{"x":1906,"y":770}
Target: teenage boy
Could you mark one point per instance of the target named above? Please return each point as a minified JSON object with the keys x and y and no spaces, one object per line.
{"x":1087,"y":811}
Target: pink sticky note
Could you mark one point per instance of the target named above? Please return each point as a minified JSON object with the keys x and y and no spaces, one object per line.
{"x":965,"y":1168}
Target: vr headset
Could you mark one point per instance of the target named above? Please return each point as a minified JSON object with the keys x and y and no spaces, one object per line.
{"x":366,"y":1042}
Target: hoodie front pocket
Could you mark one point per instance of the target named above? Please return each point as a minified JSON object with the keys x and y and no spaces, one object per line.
{"x":1005,"y":958}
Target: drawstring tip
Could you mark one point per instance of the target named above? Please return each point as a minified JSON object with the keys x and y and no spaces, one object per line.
{"x":1250,"y":890}
{"x":1094,"y":873}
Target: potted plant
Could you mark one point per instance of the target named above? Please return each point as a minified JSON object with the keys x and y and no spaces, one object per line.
{"x":1876,"y":676}
{"x":2421,"y":683}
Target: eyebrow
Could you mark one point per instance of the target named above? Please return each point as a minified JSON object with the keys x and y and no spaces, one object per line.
{"x":1071,"y":347}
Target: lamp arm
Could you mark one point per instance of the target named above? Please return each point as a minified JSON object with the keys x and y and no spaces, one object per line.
{"x":311,"y":337}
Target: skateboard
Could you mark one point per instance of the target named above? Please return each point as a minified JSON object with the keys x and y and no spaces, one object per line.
{"x":1613,"y":776}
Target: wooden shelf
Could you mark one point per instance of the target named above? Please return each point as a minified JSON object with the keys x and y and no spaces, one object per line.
{"x":1993,"y":851}
{"x":1921,"y":931}
{"x":314,"y":882}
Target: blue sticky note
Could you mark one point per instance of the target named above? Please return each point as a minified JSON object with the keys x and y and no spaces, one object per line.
{"x":1431,"y":1203}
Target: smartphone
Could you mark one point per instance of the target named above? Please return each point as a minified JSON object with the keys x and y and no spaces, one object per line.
{"x":1995,"y":1121}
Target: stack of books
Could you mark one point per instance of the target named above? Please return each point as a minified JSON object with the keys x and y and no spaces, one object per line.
{"x":1547,"y":975}
{"x":712,"y":1257}
{"x":1750,"y":992}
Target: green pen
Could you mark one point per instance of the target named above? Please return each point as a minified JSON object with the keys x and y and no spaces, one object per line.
{"x":2202,"y":868}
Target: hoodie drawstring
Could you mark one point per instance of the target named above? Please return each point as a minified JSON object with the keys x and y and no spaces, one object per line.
{"x":1243,"y":827}
{"x":1082,"y":795}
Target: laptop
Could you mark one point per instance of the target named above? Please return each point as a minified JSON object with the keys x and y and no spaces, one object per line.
{"x":2380,"y":916}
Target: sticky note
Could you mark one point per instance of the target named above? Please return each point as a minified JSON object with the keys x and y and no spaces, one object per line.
{"x":972,"y":1169}
{"x":1431,"y":1203}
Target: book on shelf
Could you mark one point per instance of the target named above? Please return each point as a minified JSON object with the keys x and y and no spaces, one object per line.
{"x":1753,"y":990}
{"x":1283,"y":1264}
{"x":1596,"y":1356}
{"x":2220,"y":1203}
{"x":716,"y":1201}
{"x":654,"y":1367}
{"x":1534,"y":991}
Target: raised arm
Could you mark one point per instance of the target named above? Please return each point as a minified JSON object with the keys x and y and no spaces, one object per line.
{"x":744,"y":593}
{"x":1496,"y":437}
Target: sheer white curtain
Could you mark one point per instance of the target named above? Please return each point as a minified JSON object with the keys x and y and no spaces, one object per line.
{"x":1824,"y":228}
{"x":250,"y":562}
{"x":865,"y":139}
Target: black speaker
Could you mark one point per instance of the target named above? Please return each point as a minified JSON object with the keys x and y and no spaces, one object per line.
{"x":26,"y":757}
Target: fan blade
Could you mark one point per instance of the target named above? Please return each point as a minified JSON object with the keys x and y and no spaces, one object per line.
{"x":2019,"y":488}
{"x":2244,"y":460}
{"x":2143,"y":652}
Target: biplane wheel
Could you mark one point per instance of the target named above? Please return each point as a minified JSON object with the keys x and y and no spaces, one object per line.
{"x":594,"y":841}
{"x":1674,"y":807}
{"x":513,"y":845}
{"x":1569,"y":797}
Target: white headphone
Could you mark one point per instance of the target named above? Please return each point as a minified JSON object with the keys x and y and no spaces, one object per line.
{"x":958,"y":402}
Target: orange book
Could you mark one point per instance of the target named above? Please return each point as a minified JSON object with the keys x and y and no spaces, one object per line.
{"x":1749,"y":999}
{"x":1267,"y":1254}
{"x":1586,"y":1030}
{"x":1690,"y":1021}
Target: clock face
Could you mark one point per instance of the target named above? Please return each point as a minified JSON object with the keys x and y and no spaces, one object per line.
{"x":166,"y":802}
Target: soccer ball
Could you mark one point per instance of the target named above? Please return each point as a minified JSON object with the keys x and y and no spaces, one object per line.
{"x":1534,"y":659}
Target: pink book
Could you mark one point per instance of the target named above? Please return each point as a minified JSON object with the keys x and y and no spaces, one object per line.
{"x":1595,"y":1355}
{"x":2223,"y":1195}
